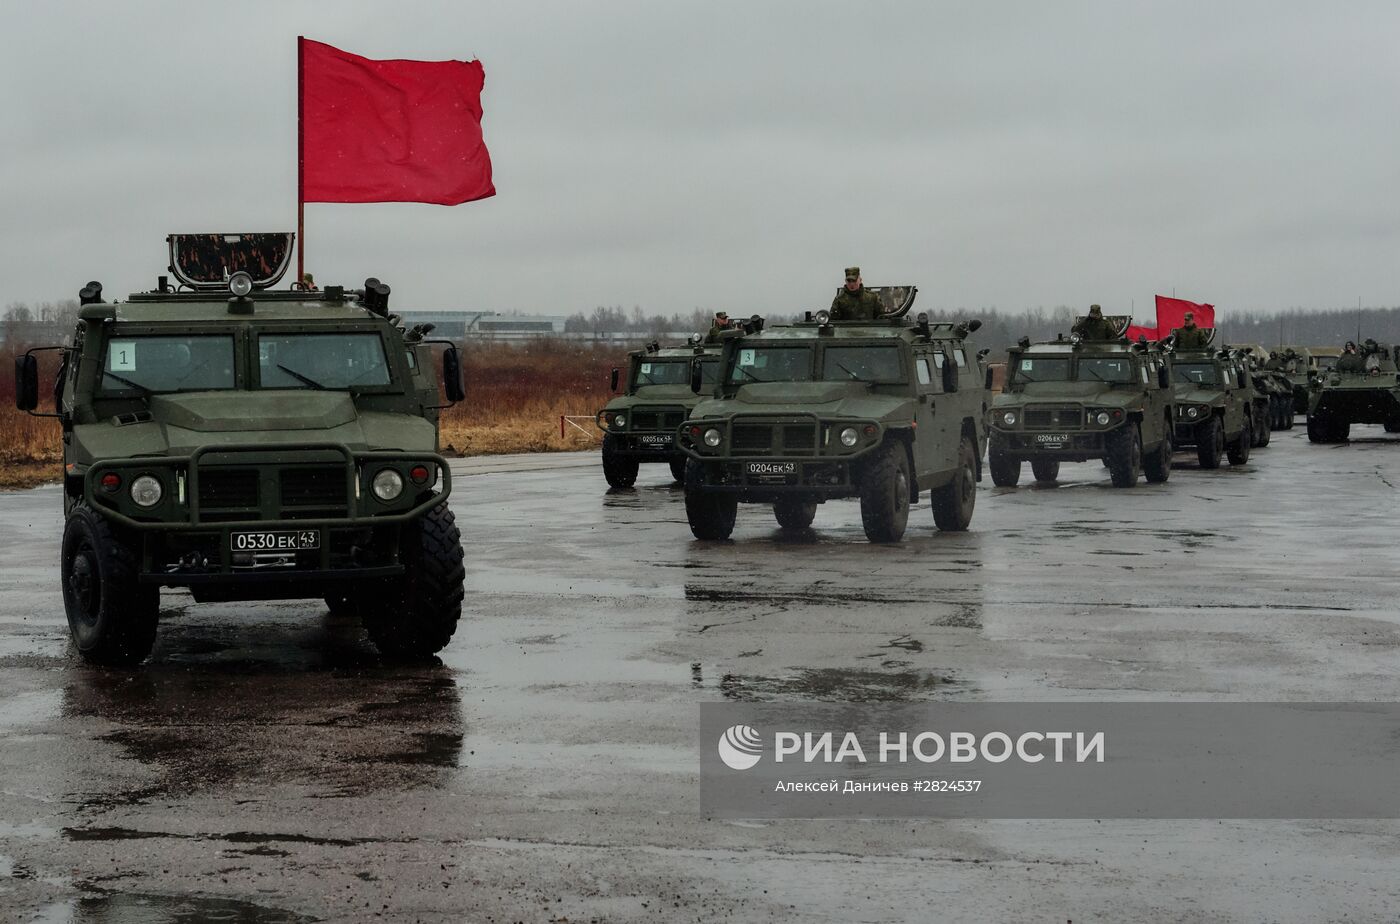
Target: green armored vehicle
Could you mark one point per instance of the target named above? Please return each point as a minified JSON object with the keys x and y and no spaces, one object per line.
{"x":1214,"y":406}
{"x":1268,"y":370}
{"x":1363,"y":387}
{"x":640,"y":424}
{"x":251,"y":444}
{"x":1261,"y":398}
{"x":1079,"y":399}
{"x":881,"y":409}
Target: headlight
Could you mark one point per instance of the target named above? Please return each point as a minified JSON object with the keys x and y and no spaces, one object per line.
{"x":1009,"y":418}
{"x":387,"y":485}
{"x":1101,"y":418}
{"x":1193,"y":412}
{"x":146,"y":491}
{"x":620,"y":421}
{"x":849,"y":436}
{"x":712,"y":437}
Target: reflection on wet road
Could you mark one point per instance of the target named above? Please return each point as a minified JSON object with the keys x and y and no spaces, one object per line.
{"x":266,"y":765}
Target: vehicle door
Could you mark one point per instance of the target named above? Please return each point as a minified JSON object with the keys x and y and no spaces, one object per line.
{"x":931,"y":409}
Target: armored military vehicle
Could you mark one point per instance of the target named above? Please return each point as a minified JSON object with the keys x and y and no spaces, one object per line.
{"x":1071,"y":400}
{"x":883,"y":410}
{"x":251,"y":444}
{"x":640,"y":424}
{"x":1214,"y":407}
{"x":1268,"y":371}
{"x":1363,"y":387}
{"x":1250,"y":377}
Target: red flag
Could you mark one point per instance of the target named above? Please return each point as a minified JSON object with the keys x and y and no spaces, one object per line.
{"x":1172,"y":311}
{"x":1134,"y":332}
{"x":390,"y":131}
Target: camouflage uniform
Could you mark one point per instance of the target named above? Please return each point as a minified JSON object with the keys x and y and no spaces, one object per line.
{"x":1191,"y":338}
{"x":860,"y":305}
{"x":716,"y":330}
{"x":1094,"y":327}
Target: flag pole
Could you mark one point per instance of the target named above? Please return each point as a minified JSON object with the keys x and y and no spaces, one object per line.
{"x":301,"y":168}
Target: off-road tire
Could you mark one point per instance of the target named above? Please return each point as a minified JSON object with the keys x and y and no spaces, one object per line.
{"x":1005,"y":469}
{"x":678,"y":470}
{"x":1045,"y":469}
{"x":1392,"y":426}
{"x":953,"y":503}
{"x":795,"y":512}
{"x":342,"y":605}
{"x":620,"y":472}
{"x":1124,"y":455}
{"x":415,"y":615}
{"x":711,"y":514}
{"x":1341,"y":431}
{"x":1238,"y":452}
{"x":1157,"y":466}
{"x":1210,"y":442}
{"x":111,"y":615}
{"x":884,"y":494}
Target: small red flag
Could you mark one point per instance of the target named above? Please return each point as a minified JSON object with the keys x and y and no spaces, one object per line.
{"x":1172,"y":311}
{"x":390,"y":131}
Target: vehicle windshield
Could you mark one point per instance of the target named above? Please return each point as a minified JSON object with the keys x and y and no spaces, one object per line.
{"x":1041,"y":369}
{"x":332,"y":361}
{"x":771,"y":364}
{"x":1117,"y":369}
{"x":168,"y":363}
{"x":663,"y":372}
{"x":1195,"y":374}
{"x":709,"y":372}
{"x":1325,"y":362}
{"x":861,"y":364}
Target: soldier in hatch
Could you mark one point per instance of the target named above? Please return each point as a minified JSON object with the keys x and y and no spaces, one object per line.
{"x":720,"y":326}
{"x":1094,"y":326}
{"x":1189,"y":336}
{"x":855,"y":302}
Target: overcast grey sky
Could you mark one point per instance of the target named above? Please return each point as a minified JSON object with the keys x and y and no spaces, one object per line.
{"x":738,"y":155}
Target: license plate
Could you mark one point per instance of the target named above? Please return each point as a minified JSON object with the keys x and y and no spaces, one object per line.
{"x":656,"y":439}
{"x":772,"y":468}
{"x":281,"y":540}
{"x":1052,"y":440}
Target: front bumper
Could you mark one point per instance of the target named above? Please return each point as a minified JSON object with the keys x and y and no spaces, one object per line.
{"x":645,"y":446}
{"x":1077,"y":446}
{"x":764,"y":458}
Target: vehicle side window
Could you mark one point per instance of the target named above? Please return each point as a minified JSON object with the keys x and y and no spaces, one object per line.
{"x":921,"y":365}
{"x":1144,"y":374}
{"x":1229,"y":377}
{"x":960,"y":357}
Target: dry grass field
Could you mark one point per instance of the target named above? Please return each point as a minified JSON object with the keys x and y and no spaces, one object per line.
{"x":515,"y":395}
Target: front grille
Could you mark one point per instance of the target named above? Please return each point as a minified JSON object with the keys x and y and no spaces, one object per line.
{"x":802,"y":438}
{"x":658,"y":418}
{"x":318,"y":486}
{"x":223,"y":488}
{"x":1054,"y":418}
{"x":753,"y":437}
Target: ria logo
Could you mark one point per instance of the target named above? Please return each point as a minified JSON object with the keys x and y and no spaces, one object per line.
{"x":740,"y":747}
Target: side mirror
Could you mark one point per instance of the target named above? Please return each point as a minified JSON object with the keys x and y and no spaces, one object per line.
{"x":612,"y":380}
{"x":26,"y":382}
{"x":950,"y":376}
{"x":1163,"y":379}
{"x":696,"y":377}
{"x":452,"y":375}
{"x":990,"y":378}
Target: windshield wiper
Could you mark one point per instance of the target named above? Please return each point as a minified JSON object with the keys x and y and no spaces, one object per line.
{"x":305,"y":380}
{"x":125,"y":381}
{"x":842,"y":367}
{"x":751,"y":376}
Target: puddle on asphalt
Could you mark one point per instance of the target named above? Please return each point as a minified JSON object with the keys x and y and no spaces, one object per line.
{"x":837,"y":685}
{"x":163,"y":909}
{"x":816,"y":595}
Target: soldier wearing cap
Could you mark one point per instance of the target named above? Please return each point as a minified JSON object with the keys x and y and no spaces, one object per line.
{"x":721,"y":324}
{"x":855,"y":302}
{"x":1189,"y":336}
{"x":1094,"y":326}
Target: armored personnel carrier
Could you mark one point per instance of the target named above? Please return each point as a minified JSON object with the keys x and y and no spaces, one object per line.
{"x":1268,"y":371}
{"x":1363,"y":387}
{"x":640,"y":424}
{"x":1072,"y":400}
{"x":883,"y":410}
{"x":251,"y":444}
{"x":1214,"y":406}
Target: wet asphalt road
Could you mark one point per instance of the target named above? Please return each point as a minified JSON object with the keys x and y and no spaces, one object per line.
{"x":265,"y":766}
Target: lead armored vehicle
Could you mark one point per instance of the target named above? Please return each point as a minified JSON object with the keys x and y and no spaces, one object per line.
{"x":251,"y":444}
{"x":883,"y":410}
{"x":1075,"y":400}
{"x":1214,"y":406}
{"x":1363,"y":387}
{"x":640,"y":424}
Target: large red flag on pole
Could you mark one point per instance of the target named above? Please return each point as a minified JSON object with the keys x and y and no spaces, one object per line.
{"x":388,"y":131}
{"x":1172,"y":311}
